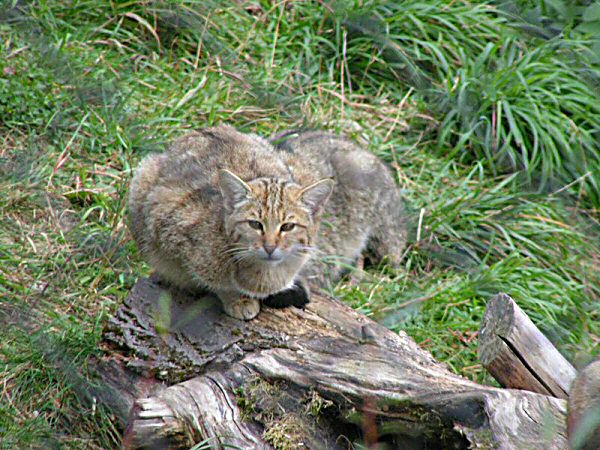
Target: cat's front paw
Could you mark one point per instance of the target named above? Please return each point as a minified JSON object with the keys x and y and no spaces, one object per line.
{"x":243,"y":308}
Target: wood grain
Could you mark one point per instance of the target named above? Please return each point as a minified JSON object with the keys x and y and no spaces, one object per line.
{"x":322,"y":377}
{"x":518,"y":355}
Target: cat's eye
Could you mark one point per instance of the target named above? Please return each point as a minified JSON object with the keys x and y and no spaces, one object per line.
{"x":288,"y":226}
{"x":255,"y":224}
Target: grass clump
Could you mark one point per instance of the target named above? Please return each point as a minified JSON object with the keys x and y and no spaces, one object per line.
{"x":415,"y":42}
{"x":452,"y":94}
{"x":24,"y":84}
{"x":44,"y":390}
{"x":500,"y":99}
{"x":530,"y":110}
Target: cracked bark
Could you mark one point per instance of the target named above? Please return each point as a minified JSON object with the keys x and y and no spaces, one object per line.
{"x":323,"y":377}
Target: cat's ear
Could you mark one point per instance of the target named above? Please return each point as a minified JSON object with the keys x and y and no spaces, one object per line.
{"x":233,"y":188}
{"x":317,"y":194}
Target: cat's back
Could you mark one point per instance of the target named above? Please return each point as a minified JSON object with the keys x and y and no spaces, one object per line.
{"x":327,"y":154}
{"x":311,"y":147}
{"x":187,"y":172}
{"x":192,"y":162}
{"x":196,"y":157}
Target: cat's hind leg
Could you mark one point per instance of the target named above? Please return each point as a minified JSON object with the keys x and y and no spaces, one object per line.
{"x":387,"y":239}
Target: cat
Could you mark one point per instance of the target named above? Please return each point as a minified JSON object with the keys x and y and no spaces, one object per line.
{"x":249,"y":219}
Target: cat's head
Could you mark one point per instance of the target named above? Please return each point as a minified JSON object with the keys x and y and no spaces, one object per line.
{"x":270,"y":220}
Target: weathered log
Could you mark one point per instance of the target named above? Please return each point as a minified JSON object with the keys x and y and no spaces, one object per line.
{"x":518,"y":355}
{"x":583,"y":422}
{"x":323,"y":377}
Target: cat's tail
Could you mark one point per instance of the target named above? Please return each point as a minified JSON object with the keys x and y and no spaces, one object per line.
{"x":284,"y":140}
{"x":305,"y":140}
{"x":388,"y":236}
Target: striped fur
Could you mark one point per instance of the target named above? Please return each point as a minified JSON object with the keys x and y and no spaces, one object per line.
{"x":231,"y":213}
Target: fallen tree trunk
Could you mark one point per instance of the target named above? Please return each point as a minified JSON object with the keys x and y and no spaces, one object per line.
{"x":583,"y":421}
{"x":518,"y":355}
{"x":324,"y":377}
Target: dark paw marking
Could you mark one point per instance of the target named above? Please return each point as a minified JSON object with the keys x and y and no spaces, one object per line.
{"x":297,"y":296}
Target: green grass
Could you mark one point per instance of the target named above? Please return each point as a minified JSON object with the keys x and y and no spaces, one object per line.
{"x":500,"y":100}
{"x":531,"y":110}
{"x":493,"y":137}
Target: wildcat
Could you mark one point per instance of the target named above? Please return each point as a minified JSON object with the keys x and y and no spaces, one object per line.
{"x":247,"y":218}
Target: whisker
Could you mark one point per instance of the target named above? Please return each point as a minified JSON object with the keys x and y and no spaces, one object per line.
{"x":233,"y":249}
{"x":238,"y":257}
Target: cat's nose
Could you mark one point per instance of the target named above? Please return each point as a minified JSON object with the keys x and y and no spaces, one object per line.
{"x":269,"y":248}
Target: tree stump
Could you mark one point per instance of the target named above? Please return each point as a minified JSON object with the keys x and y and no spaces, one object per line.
{"x":518,"y":355}
{"x":322,"y":377}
